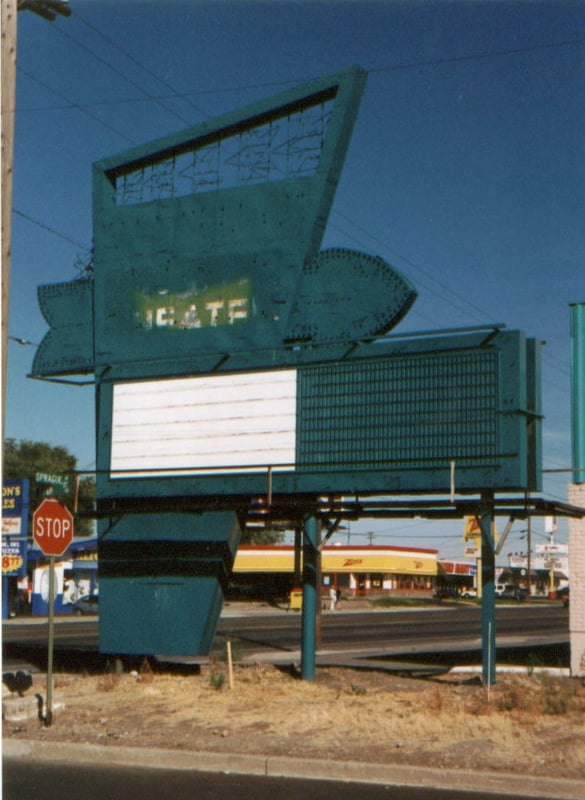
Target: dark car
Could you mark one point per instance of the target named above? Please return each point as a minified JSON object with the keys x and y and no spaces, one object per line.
{"x":446,"y":593}
{"x":87,"y":604}
{"x":563,"y":594}
{"x":513,"y":593}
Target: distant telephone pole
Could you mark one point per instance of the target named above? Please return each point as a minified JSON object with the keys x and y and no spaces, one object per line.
{"x":48,"y":9}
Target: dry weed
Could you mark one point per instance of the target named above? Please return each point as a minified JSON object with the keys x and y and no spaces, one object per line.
{"x":342,"y":714}
{"x":109,"y":682}
{"x":557,"y":696}
{"x":146,"y":673}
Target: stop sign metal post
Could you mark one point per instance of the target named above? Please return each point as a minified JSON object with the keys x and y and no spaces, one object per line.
{"x":53,"y":533}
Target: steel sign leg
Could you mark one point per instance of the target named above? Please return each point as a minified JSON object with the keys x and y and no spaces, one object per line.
{"x":309,"y":612}
{"x":488,"y":600}
{"x":50,"y":646}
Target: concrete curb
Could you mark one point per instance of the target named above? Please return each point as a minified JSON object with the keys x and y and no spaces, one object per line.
{"x":288,"y":767}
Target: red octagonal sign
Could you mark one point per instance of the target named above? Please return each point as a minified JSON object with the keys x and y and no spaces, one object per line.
{"x":52,"y":527}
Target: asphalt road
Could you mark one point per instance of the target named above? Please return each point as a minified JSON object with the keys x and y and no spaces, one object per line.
{"x":402,"y":630}
{"x":26,"y":780}
{"x":384,"y":634}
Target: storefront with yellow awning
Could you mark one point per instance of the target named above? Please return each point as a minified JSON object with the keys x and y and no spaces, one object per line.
{"x":356,"y":571}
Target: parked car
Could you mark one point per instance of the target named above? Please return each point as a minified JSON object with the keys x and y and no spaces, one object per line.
{"x":512,"y":592}
{"x":563,"y":594}
{"x":468,"y":593}
{"x":87,"y":604}
{"x":446,"y":593}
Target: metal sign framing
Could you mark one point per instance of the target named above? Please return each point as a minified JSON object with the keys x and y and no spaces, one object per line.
{"x":242,"y":374}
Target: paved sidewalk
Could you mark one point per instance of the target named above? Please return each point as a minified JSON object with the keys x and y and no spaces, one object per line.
{"x":242,"y":608}
{"x":286,"y":767}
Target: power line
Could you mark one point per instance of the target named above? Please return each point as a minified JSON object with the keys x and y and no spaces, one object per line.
{"x":45,"y":227}
{"x":159,"y":98}
{"x":276,"y":84}
{"x":77,"y":106}
{"x":437,"y":62}
{"x":481,"y":316}
{"x":462,"y":304}
{"x":118,"y":72}
{"x":143,"y":67}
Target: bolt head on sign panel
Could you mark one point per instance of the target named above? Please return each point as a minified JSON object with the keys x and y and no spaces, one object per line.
{"x":52,"y":527}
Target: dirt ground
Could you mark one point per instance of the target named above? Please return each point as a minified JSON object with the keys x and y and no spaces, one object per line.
{"x":526,"y":723}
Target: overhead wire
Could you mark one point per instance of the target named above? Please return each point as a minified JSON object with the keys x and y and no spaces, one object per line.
{"x":512,"y":51}
{"x":144,"y":67}
{"x":449,"y":295}
{"x":480,"y":315}
{"x":77,"y":106}
{"x":84,"y":108}
{"x":147,"y":95}
{"x":275,"y":84}
{"x":49,"y":229}
{"x":116,"y":71}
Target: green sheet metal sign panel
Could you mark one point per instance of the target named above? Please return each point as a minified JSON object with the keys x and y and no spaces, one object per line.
{"x":395,"y":416}
{"x":578,"y":390}
{"x":207,"y":249}
{"x":162,"y":578}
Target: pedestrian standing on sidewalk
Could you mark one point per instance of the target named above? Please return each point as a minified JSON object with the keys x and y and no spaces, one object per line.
{"x":332,"y":598}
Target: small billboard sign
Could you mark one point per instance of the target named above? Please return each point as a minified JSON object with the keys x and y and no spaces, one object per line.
{"x":13,"y":557}
{"x":15,"y":498}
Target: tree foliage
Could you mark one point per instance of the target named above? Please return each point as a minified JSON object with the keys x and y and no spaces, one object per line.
{"x":25,"y":459}
{"x":262,"y":536}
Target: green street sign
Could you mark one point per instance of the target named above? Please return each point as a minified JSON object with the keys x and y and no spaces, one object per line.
{"x":53,"y":484}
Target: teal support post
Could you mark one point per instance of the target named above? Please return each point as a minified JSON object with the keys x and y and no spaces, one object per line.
{"x":488,"y":601}
{"x":309,"y":614}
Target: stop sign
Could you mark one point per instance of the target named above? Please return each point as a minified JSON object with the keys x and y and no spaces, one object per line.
{"x":52,"y":527}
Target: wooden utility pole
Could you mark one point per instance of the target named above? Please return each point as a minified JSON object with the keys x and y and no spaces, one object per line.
{"x":9,"y":11}
{"x":48,"y":9}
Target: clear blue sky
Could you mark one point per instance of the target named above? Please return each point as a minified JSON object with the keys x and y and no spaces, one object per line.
{"x":466,"y":170}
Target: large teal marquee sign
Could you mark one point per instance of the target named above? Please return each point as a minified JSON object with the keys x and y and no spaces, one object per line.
{"x":233,"y":358}
{"x":395,"y":416}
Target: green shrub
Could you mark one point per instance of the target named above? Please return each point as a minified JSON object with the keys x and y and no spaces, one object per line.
{"x":217,"y":679}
